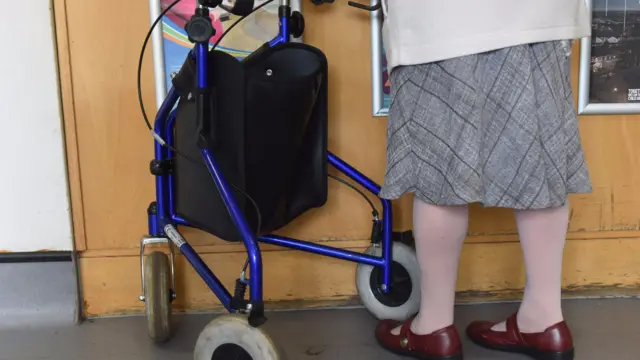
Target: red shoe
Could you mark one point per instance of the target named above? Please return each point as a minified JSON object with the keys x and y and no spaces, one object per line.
{"x":440,"y":345}
{"x":555,"y":343}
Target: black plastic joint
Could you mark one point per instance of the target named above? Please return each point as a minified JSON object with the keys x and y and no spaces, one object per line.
{"x":376,"y":232}
{"x":199,"y":28}
{"x":210,"y":3}
{"x":161,"y":167}
{"x":297,"y":24}
{"x":239,"y":304}
{"x":256,"y":316}
{"x":284,"y":11}
{"x":152,"y":209}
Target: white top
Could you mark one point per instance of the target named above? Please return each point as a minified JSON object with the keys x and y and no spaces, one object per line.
{"x":424,"y":31}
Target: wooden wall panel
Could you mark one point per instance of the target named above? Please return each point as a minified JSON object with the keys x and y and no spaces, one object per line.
{"x":69,"y":122}
{"x":115,"y":147}
{"x":110,"y":147}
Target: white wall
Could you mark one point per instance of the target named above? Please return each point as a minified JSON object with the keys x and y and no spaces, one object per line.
{"x":34,"y":202}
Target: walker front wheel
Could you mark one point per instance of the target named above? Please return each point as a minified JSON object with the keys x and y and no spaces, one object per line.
{"x":403,"y":299}
{"x":231,"y":337}
{"x":157,"y":296}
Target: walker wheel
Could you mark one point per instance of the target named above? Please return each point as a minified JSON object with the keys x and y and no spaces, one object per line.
{"x":403,"y":300}
{"x":157,"y":296}
{"x":231,"y":337}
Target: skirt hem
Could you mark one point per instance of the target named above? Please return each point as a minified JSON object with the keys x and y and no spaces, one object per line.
{"x":483,"y":202}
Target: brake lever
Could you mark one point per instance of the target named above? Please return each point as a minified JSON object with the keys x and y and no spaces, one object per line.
{"x":358,"y":5}
{"x":320,"y":2}
{"x":374,"y":7}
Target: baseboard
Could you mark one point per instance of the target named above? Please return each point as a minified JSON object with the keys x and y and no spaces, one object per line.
{"x":294,"y":280}
{"x":35,"y":257}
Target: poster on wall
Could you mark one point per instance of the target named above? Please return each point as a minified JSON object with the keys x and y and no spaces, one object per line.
{"x":386,"y":84}
{"x":610,"y":59}
{"x":172,"y":45}
{"x":380,"y":74}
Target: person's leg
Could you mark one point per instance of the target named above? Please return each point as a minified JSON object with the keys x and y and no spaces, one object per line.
{"x":439,"y":233}
{"x":542,"y":235}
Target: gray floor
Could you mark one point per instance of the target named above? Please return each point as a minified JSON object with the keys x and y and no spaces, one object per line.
{"x":603,"y":330}
{"x":37,"y":294}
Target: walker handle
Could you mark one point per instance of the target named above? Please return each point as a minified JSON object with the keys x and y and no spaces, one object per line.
{"x":238,"y":7}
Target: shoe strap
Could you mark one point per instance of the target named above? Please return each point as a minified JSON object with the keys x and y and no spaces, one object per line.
{"x":513,"y":331}
{"x":406,"y":334}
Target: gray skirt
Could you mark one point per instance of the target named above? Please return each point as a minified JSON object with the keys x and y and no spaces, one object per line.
{"x":498,"y":128}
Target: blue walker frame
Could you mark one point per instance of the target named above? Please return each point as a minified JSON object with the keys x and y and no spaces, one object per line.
{"x":165,"y":214}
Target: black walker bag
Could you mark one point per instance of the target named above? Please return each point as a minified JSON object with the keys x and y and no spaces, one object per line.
{"x":268,"y":130}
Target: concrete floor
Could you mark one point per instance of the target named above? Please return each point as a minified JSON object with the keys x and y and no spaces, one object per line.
{"x":603,"y":330}
{"x":37,"y":294}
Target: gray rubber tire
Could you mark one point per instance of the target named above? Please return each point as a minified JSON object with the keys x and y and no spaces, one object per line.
{"x":235,"y":329}
{"x":405,"y":256}
{"x":157,"y":296}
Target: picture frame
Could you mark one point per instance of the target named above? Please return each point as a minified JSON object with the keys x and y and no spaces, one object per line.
{"x":608,"y":62}
{"x":170,"y":43}
{"x":380,"y":94}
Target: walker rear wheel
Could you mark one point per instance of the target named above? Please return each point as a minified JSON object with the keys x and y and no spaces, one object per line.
{"x":231,"y":337}
{"x":157,"y":296}
{"x":403,"y":299}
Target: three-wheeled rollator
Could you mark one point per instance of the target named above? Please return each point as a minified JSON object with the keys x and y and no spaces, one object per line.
{"x":241,"y":151}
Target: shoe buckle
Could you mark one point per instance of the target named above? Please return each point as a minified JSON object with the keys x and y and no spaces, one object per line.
{"x":404,"y":342}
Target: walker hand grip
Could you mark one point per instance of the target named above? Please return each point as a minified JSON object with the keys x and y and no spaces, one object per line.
{"x":238,"y":7}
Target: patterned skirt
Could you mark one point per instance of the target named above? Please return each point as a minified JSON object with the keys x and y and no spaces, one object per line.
{"x":498,"y":128}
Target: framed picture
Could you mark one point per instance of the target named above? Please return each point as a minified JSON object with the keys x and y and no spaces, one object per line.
{"x":171,"y":44}
{"x":379,"y":73}
{"x":610,"y":59}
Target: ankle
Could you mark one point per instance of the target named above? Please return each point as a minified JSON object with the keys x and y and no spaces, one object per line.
{"x":538,"y":321}
{"x":426,"y":325}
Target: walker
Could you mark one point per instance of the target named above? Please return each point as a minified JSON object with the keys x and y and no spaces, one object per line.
{"x":241,"y":151}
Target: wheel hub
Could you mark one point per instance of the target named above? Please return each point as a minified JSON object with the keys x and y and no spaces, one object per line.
{"x":230,"y":352}
{"x":401,"y":286}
